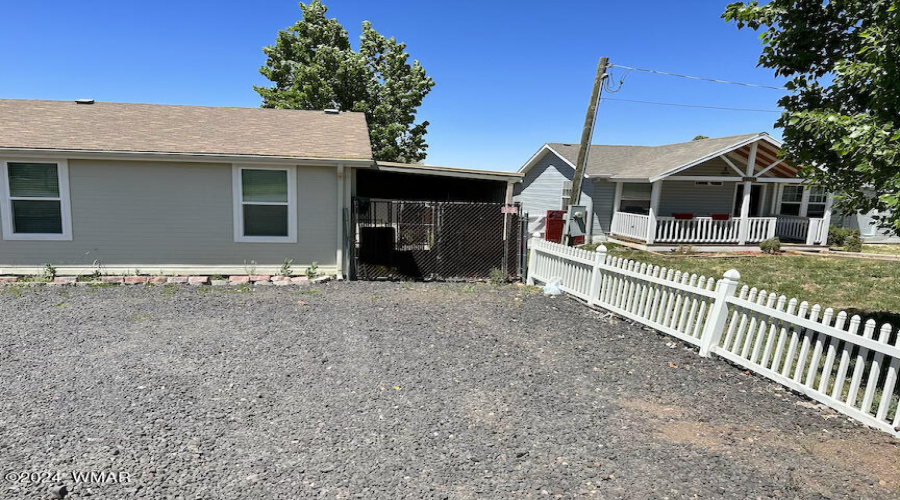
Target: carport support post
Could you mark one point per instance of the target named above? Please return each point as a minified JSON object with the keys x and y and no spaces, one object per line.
{"x":532,"y":260}
{"x":715,"y":323}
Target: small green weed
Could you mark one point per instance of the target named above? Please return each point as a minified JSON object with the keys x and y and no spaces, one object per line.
{"x":286,"y":268}
{"x":311,"y":291}
{"x":49,"y":272}
{"x":313,"y":270}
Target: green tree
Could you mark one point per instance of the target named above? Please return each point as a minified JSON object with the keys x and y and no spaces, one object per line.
{"x":700,"y":137}
{"x":841,"y":120}
{"x":313,"y":66}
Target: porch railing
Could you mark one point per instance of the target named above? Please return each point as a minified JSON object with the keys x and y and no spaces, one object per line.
{"x":630,"y":225}
{"x":812,"y":231}
{"x":697,"y":230}
{"x":708,"y":230}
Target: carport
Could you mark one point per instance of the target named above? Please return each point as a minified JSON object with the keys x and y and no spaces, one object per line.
{"x":427,"y":222}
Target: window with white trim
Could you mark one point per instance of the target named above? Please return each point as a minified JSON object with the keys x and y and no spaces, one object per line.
{"x":635,"y":198}
{"x":816,"y":205}
{"x":566,"y":197}
{"x":791,"y":200}
{"x":35,"y":200}
{"x":265,"y":204}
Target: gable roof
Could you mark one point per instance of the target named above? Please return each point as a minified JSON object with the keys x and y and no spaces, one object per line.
{"x":650,"y":162}
{"x":106,"y":127}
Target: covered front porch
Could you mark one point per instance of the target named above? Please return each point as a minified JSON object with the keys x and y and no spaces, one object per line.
{"x":808,"y":231}
{"x":738,"y":198}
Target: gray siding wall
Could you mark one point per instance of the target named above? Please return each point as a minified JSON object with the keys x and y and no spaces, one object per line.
{"x":541,"y":190}
{"x":685,"y":196}
{"x":166,"y":213}
{"x":604,"y":196}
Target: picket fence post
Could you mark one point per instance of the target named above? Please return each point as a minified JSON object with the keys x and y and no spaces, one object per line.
{"x":532,"y":258}
{"x":715,"y":323}
{"x":599,"y":258}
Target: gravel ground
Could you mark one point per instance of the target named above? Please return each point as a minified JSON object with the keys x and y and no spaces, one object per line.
{"x":395,"y":390}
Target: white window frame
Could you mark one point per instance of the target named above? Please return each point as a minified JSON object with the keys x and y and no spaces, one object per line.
{"x":238,"y":198}
{"x":6,"y":199}
{"x":565,"y":201}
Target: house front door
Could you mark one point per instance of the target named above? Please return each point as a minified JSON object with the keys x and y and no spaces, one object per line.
{"x":756,"y":192}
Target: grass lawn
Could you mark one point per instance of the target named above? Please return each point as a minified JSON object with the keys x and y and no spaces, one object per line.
{"x":870,"y":288}
{"x":881,"y":249}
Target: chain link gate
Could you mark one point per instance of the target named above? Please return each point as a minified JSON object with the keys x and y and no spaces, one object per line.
{"x":437,"y":240}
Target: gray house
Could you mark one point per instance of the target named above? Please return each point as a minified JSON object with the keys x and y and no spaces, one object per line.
{"x":163,"y":189}
{"x":720,"y":193}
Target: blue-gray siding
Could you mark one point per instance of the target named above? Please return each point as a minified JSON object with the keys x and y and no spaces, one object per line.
{"x":541,"y":190}
{"x":157,"y":213}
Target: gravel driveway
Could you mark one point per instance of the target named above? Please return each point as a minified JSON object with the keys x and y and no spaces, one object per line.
{"x":394,"y":390}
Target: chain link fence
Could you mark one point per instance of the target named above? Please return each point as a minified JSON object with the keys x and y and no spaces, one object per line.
{"x":437,"y":240}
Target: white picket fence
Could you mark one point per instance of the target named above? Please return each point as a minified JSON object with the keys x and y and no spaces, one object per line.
{"x":813,"y":351}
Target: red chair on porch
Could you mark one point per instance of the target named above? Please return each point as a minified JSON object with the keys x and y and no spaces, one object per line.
{"x":683,"y":216}
{"x":720,"y":216}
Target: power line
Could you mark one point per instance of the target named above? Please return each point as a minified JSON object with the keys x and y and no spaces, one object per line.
{"x":657,"y":72}
{"x":690,"y":105}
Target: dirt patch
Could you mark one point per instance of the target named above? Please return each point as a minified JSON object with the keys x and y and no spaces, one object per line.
{"x":879,"y":460}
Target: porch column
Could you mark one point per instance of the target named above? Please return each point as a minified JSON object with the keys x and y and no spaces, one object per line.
{"x":826,"y":223}
{"x":744,"y":224}
{"x":826,"y":219}
{"x":654,"y":209}
{"x":617,"y":200}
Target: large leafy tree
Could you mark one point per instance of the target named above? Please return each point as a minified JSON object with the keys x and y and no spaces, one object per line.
{"x":842,"y":118}
{"x":313,"y":66}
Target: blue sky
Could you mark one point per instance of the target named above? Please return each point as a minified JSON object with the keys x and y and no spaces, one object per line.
{"x":511,"y":75}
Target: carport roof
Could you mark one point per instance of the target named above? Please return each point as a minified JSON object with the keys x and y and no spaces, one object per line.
{"x":107,"y":127}
{"x":410,"y":168}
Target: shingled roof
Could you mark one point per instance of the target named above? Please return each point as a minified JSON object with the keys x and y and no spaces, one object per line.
{"x":199,"y":130}
{"x":647,"y":162}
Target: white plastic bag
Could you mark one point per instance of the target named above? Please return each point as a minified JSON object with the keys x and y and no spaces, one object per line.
{"x":552,"y":288}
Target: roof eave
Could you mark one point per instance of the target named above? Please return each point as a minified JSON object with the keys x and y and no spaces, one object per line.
{"x":450,"y":172}
{"x":78,"y":154}
{"x":720,"y":152}
{"x":539,"y":155}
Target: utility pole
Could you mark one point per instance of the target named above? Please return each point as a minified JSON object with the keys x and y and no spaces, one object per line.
{"x":587,"y":134}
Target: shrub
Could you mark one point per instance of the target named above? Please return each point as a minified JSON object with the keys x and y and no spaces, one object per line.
{"x":771,"y":245}
{"x":837,"y":236}
{"x":853,"y":243}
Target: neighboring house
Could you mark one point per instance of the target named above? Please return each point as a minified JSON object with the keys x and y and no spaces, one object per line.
{"x":189,"y":189}
{"x":867,"y":224}
{"x":719,"y":193}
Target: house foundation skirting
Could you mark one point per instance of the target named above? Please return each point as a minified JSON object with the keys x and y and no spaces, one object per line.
{"x":163,"y":270}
